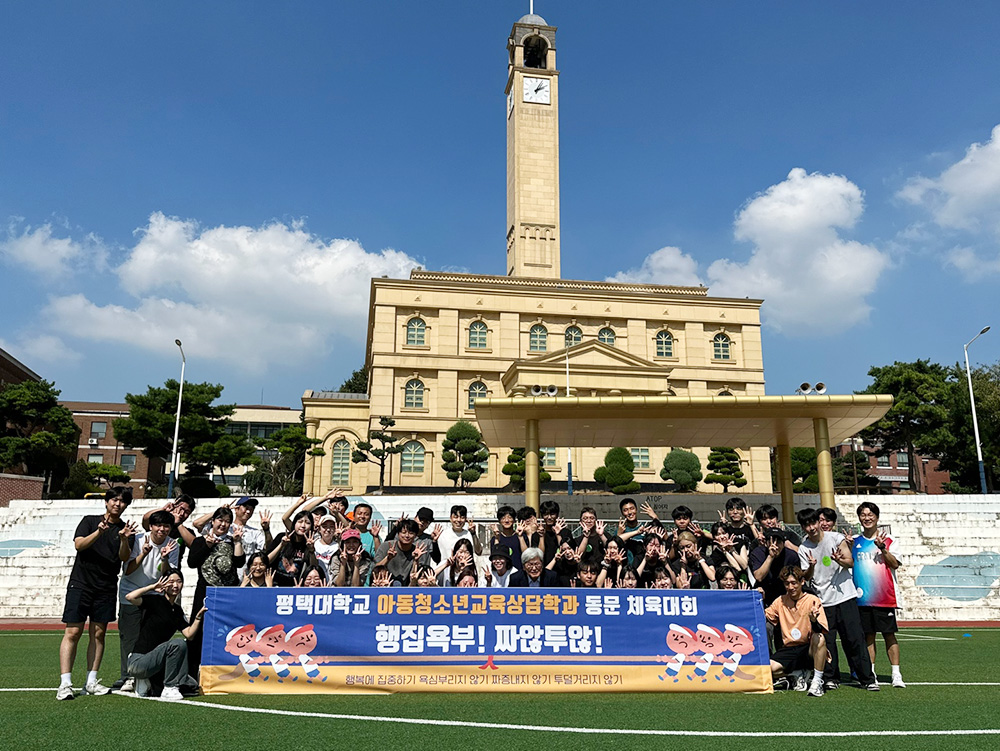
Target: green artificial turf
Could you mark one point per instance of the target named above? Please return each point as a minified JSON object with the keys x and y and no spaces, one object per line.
{"x":35,"y":720}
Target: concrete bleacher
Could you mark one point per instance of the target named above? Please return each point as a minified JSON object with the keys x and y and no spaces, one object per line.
{"x":950,"y":547}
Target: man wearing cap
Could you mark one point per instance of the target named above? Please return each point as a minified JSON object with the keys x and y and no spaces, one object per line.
{"x":498,"y":574}
{"x":351,"y":567}
{"x":328,"y":544}
{"x":400,"y":554}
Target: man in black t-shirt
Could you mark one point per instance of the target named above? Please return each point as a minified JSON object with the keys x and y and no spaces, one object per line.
{"x":158,"y":658}
{"x":103,"y":543}
{"x":767,"y":561}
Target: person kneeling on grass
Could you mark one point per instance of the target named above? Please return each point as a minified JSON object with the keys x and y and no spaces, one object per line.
{"x":803,"y":625}
{"x":159,"y":659}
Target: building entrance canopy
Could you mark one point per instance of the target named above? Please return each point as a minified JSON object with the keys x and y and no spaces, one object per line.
{"x":735,"y":421}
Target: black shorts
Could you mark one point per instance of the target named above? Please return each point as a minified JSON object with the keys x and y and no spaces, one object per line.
{"x":83,"y":603}
{"x":878,"y":620}
{"x":793,"y":658}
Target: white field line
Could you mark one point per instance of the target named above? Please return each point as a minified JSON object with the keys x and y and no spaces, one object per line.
{"x":588,"y":731}
{"x":917,"y":637}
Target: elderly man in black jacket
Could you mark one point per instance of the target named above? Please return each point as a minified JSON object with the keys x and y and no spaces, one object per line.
{"x":533,"y":573}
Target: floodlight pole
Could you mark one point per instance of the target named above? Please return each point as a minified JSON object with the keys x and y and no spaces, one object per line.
{"x":177,"y":425}
{"x":975,"y":421}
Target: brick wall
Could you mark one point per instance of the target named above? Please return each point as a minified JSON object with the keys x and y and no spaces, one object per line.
{"x":23,"y":487}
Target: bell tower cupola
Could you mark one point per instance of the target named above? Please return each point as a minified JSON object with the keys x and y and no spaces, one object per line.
{"x":532,"y":150}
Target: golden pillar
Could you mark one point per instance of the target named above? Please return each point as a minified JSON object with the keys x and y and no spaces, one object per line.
{"x":824,"y":467}
{"x":531,"y":492}
{"x":785,"y":484}
{"x":312,"y":424}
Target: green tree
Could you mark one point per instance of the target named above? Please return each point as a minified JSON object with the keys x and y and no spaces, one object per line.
{"x":515,"y":469}
{"x":78,"y":482}
{"x":366,"y":451}
{"x":280,"y":462}
{"x":724,"y":468}
{"x":357,"y":383}
{"x":959,"y":456}
{"x":37,"y":434}
{"x":917,"y":422}
{"x":617,"y":473}
{"x":228,"y":450}
{"x":464,"y":456}
{"x":202,"y":439}
{"x":683,"y":468}
{"x":107,"y":474}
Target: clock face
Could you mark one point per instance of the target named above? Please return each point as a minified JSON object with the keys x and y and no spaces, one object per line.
{"x":536,"y":90}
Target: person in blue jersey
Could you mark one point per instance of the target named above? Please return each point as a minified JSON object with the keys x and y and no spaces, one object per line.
{"x":875,"y":564}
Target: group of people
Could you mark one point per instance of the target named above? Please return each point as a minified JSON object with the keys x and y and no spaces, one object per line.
{"x":814,"y":589}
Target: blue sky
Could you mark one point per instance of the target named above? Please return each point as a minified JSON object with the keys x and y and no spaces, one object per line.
{"x":233,"y":173}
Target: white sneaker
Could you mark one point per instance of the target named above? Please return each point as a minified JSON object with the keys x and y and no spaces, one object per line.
{"x":142,"y":687}
{"x":65,"y":692}
{"x":801,"y":684}
{"x":96,"y":688}
{"x":171,"y":693}
{"x":897,"y":681}
{"x":128,"y":686}
{"x":816,"y":688}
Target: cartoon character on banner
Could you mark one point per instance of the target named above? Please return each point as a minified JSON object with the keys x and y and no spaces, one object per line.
{"x":726,"y":648}
{"x":270,"y":643}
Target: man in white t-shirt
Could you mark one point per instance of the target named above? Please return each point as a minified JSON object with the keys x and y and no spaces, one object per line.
{"x":457,"y":531}
{"x":153,"y":554}
{"x":827,"y":560}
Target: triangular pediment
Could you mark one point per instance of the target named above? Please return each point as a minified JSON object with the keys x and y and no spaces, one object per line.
{"x":591,"y":353}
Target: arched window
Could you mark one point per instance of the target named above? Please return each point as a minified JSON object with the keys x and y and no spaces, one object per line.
{"x":538,"y":338}
{"x":606,"y":335}
{"x":477,"y":335}
{"x":573,"y":336}
{"x":414,"y":397}
{"x":476,"y":391}
{"x":535,"y":49}
{"x":721,"y":347}
{"x":725,"y":392}
{"x":415,"y":330}
{"x":664,"y":344}
{"x":340,"y":473}
{"x":411,"y":461}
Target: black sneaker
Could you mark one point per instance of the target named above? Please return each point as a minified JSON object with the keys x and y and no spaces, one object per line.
{"x":782,"y":684}
{"x":873,"y":686}
{"x":831,"y":685}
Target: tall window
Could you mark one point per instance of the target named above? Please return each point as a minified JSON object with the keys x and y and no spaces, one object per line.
{"x":128,"y":463}
{"x":98,"y":429}
{"x":477,"y":335}
{"x":340,"y":472}
{"x":573,"y":336}
{"x":721,"y":347}
{"x":538,"y":338}
{"x":411,"y":461}
{"x":414,"y":397}
{"x":902,"y":459}
{"x":664,"y":344}
{"x":547,"y":456}
{"x":415,"y":330}
{"x":476,"y":391}
{"x":606,"y":335}
{"x":882,"y":461}
{"x":640,"y":457}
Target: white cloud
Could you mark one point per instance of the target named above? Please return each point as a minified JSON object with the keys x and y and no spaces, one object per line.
{"x":249,"y":296}
{"x":37,"y":250}
{"x":965,"y":199}
{"x":811,"y":279}
{"x":41,"y":348}
{"x":667,"y":265}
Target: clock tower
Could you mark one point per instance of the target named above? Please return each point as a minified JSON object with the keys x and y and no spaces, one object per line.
{"x":532,"y":150}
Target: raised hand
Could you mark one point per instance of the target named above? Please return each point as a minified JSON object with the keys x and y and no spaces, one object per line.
{"x":128,"y":530}
{"x":599,"y":527}
{"x":722,"y":516}
{"x":647,"y":509}
{"x":849,"y":536}
{"x":810,"y":559}
{"x":559,"y":526}
{"x":236,"y":532}
{"x":621,"y":526}
{"x":472,"y":526}
{"x":436,"y":532}
{"x":269,"y":578}
{"x":168,"y":548}
{"x":695,"y":529}
{"x":147,"y":545}
{"x":419,"y":551}
{"x":376,"y":529}
{"x":382,"y":579}
{"x":774,"y":548}
{"x":391,"y":552}
{"x":880,"y":541}
{"x":265,"y":519}
{"x":161,"y":584}
{"x":683,"y":580}
{"x":487,"y":577}
{"x":311,"y":540}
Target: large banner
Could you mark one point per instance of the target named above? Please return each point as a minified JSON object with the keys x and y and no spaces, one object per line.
{"x":398,"y":639}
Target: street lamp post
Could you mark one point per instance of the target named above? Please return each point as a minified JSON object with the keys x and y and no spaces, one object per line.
{"x":177,"y":425}
{"x":975,"y":421}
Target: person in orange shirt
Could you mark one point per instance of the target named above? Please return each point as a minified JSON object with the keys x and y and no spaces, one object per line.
{"x":803,"y":625}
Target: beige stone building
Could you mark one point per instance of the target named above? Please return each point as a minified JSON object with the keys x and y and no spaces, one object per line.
{"x":438,"y":341}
